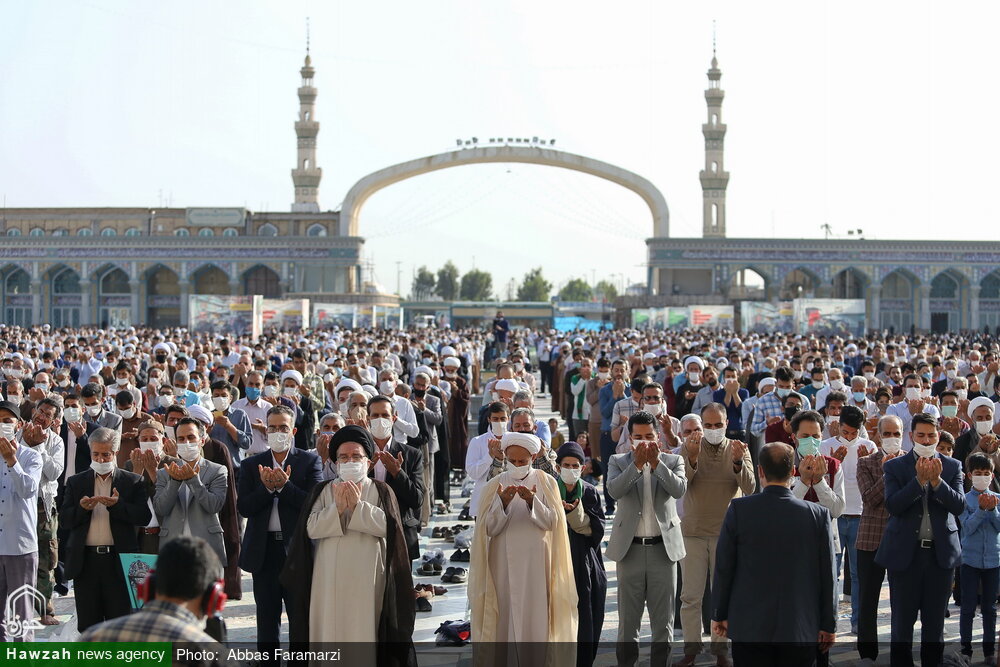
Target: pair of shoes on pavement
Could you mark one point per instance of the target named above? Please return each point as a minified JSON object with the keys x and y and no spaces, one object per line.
{"x":436,"y":590}
{"x":461,"y":556}
{"x":421,"y":601}
{"x":454,"y":575}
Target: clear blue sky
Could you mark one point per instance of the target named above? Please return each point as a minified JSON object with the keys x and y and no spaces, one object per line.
{"x":857,"y":114}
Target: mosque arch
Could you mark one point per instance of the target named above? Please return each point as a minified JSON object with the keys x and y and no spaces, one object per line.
{"x":799,"y":283}
{"x":262,"y":280}
{"x":210,"y":279}
{"x":372,"y":183}
{"x":748,"y":282}
{"x":849,"y":284}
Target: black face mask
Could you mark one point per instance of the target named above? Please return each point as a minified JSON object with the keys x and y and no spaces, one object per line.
{"x":161,"y":358}
{"x":419,"y":393}
{"x":791,"y":412}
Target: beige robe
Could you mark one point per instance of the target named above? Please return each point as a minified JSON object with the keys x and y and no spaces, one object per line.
{"x":350,"y":564}
{"x":526,"y":592}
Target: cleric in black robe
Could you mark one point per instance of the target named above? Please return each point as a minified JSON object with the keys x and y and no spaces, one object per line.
{"x":395,"y":626}
{"x":585,"y":522}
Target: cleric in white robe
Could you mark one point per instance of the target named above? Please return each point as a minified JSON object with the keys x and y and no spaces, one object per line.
{"x":521,"y":587}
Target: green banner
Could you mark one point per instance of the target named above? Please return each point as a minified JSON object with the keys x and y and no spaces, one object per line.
{"x":98,"y":654}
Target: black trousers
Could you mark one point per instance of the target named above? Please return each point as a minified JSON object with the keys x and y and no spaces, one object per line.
{"x":100,"y":589}
{"x":923,"y":588}
{"x":442,"y":470}
{"x":771,"y":655}
{"x":269,"y":594}
{"x":870,"y":577}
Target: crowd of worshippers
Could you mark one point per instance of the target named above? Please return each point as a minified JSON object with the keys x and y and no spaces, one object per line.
{"x":313,"y":462}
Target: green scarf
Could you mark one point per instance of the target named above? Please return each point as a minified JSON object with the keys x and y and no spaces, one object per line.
{"x":577,"y":492}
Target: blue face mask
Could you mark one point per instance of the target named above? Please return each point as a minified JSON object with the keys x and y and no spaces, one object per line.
{"x":253,"y":393}
{"x":858,"y":396}
{"x":808,"y":446}
{"x":781,"y":392}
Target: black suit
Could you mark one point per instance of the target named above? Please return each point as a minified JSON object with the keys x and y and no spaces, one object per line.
{"x":98,"y":579}
{"x":770,"y":527}
{"x":263,"y":552}
{"x":409,"y":488}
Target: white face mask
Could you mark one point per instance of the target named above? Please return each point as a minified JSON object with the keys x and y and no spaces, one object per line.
{"x":655,"y":409}
{"x":924,"y":451}
{"x":72,"y":415}
{"x":151,"y":446}
{"x":817,"y":384}
{"x":380,"y":427}
{"x":714,"y":435}
{"x":836,"y":385}
{"x":830,"y":419}
{"x":694,"y":378}
{"x":279,"y":442}
{"x":981,"y":482}
{"x":962,"y":394}
{"x":291,"y":391}
{"x":103,"y":468}
{"x":569,"y":476}
{"x":519,"y":472}
{"x":165,"y":400}
{"x":121,"y":382}
{"x":912,"y":393}
{"x":42,"y":387}
{"x":498,"y":429}
{"x":270,"y":390}
{"x":94,"y":410}
{"x":603,"y":375}
{"x":982,"y":428}
{"x":127,"y":413}
{"x":189,"y":451}
{"x":351,"y":471}
{"x":891,"y":445}
{"x":386,"y":387}
{"x":869,"y":375}
{"x":221,"y":403}
{"x":7,"y":430}
{"x":925,"y":393}
{"x":63,"y":383}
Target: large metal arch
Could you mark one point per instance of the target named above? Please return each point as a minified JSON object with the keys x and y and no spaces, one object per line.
{"x":383,"y":178}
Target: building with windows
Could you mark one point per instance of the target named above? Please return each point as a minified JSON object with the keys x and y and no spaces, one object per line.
{"x":122,"y":266}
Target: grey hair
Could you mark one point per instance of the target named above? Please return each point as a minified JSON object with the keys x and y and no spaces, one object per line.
{"x":106,"y":436}
{"x":425,"y":376}
{"x":182,"y":376}
{"x":332,"y":416}
{"x":860,"y":379}
{"x":690,"y":417}
{"x":523,"y":411}
{"x":390,"y":371}
{"x":886,"y":418}
{"x":521,"y":395}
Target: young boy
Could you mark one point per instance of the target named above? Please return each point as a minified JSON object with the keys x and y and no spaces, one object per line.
{"x":946,"y":443}
{"x":558,"y":439}
{"x":980,"y":557}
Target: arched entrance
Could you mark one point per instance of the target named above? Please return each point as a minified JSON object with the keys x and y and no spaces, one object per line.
{"x":897,"y":300}
{"x":114,"y":299}
{"x":747,"y":284}
{"x":946,"y":302}
{"x":989,"y":301}
{"x":372,"y":183}
{"x":65,"y":297}
{"x":210,"y":280}
{"x":799,"y":284}
{"x":163,"y":298}
{"x":17,"y":298}
{"x":264,"y":281}
{"x":849,"y":284}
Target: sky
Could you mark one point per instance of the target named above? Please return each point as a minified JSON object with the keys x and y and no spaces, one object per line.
{"x":856,"y":115}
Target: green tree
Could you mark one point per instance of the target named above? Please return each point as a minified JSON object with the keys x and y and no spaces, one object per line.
{"x":534,"y":287}
{"x":477,"y":286}
{"x":423,"y":284}
{"x":447,"y":282}
{"x":606,"y":289}
{"x":576,"y":289}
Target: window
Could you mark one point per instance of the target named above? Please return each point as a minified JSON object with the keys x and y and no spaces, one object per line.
{"x":316,"y":230}
{"x":109,"y":231}
{"x":205,"y":231}
{"x":267,"y":230}
{"x":13,"y":231}
{"x":133,"y":231}
{"x":36,"y":231}
{"x":60,"y":232}
{"x":306,"y":163}
{"x":181,"y":232}
{"x":307,"y":115}
{"x":229,"y":231}
{"x":85,"y":231}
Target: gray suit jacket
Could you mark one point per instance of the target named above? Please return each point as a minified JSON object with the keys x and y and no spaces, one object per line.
{"x":107,"y":419}
{"x":208,"y":495}
{"x":624,"y":482}
{"x":432,"y":418}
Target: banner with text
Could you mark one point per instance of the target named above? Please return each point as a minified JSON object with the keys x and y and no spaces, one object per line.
{"x":711,"y":317}
{"x":766,"y":317}
{"x":284,"y":314}
{"x":828,"y":317}
{"x":224,"y":314}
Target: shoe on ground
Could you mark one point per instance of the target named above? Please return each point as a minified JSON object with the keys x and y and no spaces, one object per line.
{"x":424,"y":605}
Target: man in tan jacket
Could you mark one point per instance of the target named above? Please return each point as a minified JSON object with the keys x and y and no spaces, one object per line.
{"x":718,"y":470}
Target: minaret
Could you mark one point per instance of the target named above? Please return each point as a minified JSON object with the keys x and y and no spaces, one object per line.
{"x":306,"y":175}
{"x":714,"y":178}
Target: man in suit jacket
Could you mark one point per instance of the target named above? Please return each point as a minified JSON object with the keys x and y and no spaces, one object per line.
{"x":400,"y":466}
{"x":921,"y":547}
{"x":101,"y":510}
{"x":273,"y":487}
{"x":646,"y":538}
{"x":189,"y":497}
{"x":775,"y":616}
{"x":92,"y":395}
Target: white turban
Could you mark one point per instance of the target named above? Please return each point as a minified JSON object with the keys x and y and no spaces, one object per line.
{"x":201,"y":414}
{"x":981,"y":402}
{"x":293,"y":375}
{"x":452,"y":362}
{"x":447,"y":351}
{"x":507,"y":385}
{"x":348,"y":382}
{"x":694,"y":360}
{"x":426,"y":370}
{"x":766,"y":382}
{"x":526,"y":440}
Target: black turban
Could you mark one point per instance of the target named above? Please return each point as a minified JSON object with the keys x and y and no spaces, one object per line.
{"x":356,"y":434}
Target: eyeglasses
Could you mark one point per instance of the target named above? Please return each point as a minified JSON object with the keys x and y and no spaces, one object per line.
{"x":279,"y":429}
{"x":357,"y":458}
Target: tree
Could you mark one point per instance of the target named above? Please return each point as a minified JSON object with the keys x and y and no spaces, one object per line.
{"x":576,"y":289}
{"x":423,"y":284}
{"x":534,"y":287}
{"x":606,"y":289}
{"x":477,"y":285}
{"x":447,"y":282}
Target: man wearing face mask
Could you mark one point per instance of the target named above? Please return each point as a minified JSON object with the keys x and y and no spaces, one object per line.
{"x":273,"y":488}
{"x":874,"y":517}
{"x":981,"y":436}
{"x":405,"y":425}
{"x":458,"y":411}
{"x":146,"y":460}
{"x":717,"y":469}
{"x":92,"y":395}
{"x":924,"y":495}
{"x":912,"y":404}
{"x":522,"y":420}
{"x":484,"y":451}
{"x":770,"y":408}
{"x":688,"y":386}
{"x":255,"y":407}
{"x":20,"y":482}
{"x":231,"y":426}
{"x":102,"y":509}
{"x":131,"y":418}
{"x":836,"y":386}
{"x":190,"y":494}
